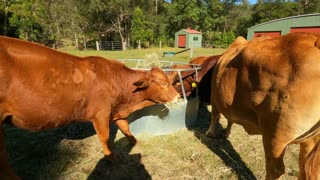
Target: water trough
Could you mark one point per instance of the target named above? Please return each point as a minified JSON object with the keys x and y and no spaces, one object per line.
{"x":162,"y":119}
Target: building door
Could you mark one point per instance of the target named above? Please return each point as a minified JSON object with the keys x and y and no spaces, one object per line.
{"x":267,"y":33}
{"x":305,"y":29}
{"x":182,"y":41}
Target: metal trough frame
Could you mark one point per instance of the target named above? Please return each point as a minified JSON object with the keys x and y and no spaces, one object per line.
{"x":161,"y":119}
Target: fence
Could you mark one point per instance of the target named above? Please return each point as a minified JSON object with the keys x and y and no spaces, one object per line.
{"x":111,"y":45}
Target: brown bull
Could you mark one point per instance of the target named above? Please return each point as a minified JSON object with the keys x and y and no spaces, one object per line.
{"x":41,"y":88}
{"x":271,"y":87}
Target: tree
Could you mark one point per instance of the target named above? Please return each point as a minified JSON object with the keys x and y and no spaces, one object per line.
{"x":24,"y":19}
{"x":60,"y":22}
{"x":140,"y":30}
{"x":270,"y":10}
{"x":237,"y":17}
{"x":182,"y":14}
{"x":308,"y":6}
{"x":4,"y":17}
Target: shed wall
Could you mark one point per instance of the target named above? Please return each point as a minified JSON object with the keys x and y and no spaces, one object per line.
{"x":196,"y":42}
{"x":284,"y":25}
{"x":189,"y":39}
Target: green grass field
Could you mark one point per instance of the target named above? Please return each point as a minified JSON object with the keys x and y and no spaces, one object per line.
{"x":74,"y":152}
{"x":140,"y":54}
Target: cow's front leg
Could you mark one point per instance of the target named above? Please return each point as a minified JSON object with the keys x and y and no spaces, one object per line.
{"x":101,"y":124}
{"x":123,"y":125}
{"x":6,"y":172}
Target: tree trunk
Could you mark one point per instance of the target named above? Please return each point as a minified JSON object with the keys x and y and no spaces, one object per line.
{"x":121,"y":30}
{"x":5,"y":31}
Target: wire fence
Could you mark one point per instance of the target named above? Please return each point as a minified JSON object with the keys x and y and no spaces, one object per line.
{"x":111,"y":45}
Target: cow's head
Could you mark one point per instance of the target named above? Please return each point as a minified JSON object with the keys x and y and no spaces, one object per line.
{"x":157,"y":87}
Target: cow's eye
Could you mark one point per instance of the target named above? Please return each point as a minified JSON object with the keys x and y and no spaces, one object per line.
{"x":164,"y":84}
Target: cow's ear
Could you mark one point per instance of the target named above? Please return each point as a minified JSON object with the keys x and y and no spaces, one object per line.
{"x":142,"y":83}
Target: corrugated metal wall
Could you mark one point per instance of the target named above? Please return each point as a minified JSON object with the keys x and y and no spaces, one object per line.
{"x":311,"y":22}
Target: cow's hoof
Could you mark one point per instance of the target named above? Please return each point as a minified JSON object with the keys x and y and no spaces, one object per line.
{"x":132,"y":140}
{"x":210,"y":134}
{"x":227,"y":135}
{"x":217,"y":136}
{"x":110,"y":158}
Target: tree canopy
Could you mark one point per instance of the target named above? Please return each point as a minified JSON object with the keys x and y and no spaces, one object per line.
{"x":77,"y":22}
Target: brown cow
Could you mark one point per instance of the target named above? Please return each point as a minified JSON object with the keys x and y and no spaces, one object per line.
{"x":41,"y":88}
{"x":187,"y":77}
{"x":206,"y":64}
{"x":271,"y":87}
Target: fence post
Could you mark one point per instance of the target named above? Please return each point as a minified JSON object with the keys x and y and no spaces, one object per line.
{"x":139,"y":44}
{"x":97,"y":46}
{"x":160,"y":46}
{"x":191,"y":50}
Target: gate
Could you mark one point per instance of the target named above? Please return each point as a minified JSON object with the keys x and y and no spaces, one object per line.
{"x":111,"y":45}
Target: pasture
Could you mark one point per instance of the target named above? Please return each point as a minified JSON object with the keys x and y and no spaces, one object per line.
{"x":74,"y":151}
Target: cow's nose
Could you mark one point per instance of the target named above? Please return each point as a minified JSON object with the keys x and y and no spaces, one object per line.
{"x":175,"y":98}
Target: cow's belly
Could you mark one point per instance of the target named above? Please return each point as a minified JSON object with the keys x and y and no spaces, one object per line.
{"x":37,"y":113}
{"x":37,"y":124}
{"x":244,"y":117}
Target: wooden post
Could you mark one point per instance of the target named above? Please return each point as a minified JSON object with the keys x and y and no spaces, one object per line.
{"x":139,"y":44}
{"x":160,"y":46}
{"x":76,"y":39}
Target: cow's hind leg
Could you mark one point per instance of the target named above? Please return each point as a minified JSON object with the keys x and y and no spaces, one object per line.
{"x":228,"y":129}
{"x":276,"y":136}
{"x":6,"y":173}
{"x":274,"y":152}
{"x":215,"y":116}
{"x":124,"y":128}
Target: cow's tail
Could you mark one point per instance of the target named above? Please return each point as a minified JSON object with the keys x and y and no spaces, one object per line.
{"x":317,"y":43}
{"x":312,"y":163}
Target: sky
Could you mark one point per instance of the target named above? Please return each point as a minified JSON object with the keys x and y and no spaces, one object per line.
{"x":252,"y":1}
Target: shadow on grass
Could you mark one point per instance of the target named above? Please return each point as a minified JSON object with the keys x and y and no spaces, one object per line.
{"x":37,"y":155}
{"x":222,"y":147}
{"x":126,"y":166}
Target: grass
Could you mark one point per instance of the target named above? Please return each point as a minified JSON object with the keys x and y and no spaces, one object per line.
{"x":141,"y":54}
{"x":74,"y":152}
